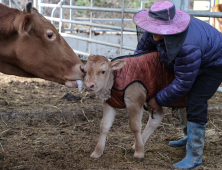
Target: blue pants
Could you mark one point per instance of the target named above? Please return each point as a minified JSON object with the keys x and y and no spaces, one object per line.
{"x":202,"y":90}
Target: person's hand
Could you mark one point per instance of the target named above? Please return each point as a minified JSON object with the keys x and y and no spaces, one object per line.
{"x":152,"y":105}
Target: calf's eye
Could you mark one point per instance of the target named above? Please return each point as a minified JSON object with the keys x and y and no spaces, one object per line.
{"x":103,"y":72}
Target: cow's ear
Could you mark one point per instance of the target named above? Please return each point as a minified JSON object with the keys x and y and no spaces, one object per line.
{"x":28,"y":7}
{"x":24,"y":24}
{"x":118,"y":64}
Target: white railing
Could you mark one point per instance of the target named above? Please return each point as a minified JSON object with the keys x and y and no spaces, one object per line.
{"x":72,"y":20}
{"x":11,"y":3}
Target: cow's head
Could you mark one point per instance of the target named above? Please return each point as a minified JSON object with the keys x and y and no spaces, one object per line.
{"x":99,"y":72}
{"x":41,"y":51}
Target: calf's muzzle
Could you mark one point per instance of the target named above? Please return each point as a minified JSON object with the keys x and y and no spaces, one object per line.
{"x":89,"y":86}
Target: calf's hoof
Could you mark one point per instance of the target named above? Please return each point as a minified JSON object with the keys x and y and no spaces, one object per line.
{"x":139,"y":159}
{"x":95,"y":155}
{"x":139,"y":156}
{"x":132,"y":149}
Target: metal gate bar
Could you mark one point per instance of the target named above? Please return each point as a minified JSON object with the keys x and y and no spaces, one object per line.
{"x":90,"y":24}
{"x":93,"y":25}
{"x":133,"y":11}
{"x":98,"y":42}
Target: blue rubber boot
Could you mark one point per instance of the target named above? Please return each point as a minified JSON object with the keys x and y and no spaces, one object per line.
{"x":182,"y":141}
{"x":194,"y":147}
{"x":179,"y":143}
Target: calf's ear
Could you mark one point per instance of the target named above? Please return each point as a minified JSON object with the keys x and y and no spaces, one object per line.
{"x":118,"y":64}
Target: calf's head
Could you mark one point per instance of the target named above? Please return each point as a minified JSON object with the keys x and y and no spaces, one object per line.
{"x":99,"y":72}
{"x":39,"y":50}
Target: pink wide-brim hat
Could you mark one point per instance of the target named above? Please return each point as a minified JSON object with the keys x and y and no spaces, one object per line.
{"x":162,"y":18}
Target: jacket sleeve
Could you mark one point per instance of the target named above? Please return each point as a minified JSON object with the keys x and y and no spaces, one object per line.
{"x":187,"y":64}
{"x":145,"y":44}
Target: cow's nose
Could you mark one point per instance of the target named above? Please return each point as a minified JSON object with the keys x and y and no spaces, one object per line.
{"x":89,"y":87}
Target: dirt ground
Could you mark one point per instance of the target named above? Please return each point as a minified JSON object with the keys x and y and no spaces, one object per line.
{"x":41,"y":127}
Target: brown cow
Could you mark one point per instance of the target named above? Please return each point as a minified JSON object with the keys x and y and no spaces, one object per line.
{"x":30,"y":46}
{"x":105,"y":78}
{"x":217,"y":22}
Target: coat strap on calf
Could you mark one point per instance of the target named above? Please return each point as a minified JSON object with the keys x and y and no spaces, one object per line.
{"x":152,"y":115}
{"x":145,"y":108}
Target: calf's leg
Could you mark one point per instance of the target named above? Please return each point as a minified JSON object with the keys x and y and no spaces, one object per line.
{"x":106,"y":123}
{"x":135,"y":97}
{"x":151,"y":125}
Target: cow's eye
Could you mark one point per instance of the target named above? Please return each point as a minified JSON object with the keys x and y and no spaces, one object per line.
{"x":103,"y":72}
{"x":50,"y":35}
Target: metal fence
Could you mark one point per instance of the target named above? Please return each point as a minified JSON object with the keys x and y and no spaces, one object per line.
{"x":72,"y":20}
{"x":12,"y":3}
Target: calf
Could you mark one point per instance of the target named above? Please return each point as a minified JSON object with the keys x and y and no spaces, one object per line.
{"x":128,"y":81}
